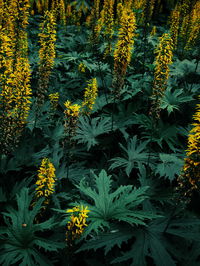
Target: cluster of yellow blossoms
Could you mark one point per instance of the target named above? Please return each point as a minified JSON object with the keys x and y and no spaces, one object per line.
{"x":77,"y":223}
{"x":72,"y":110}
{"x":189,"y":180}
{"x":90,"y":96}
{"x":60,"y":13}
{"x":185,"y":24}
{"x":47,"y":52}
{"x":54,"y":97}
{"x":14,"y":72}
{"x":174,"y":27}
{"x":122,"y":53}
{"x":153,"y":31}
{"x":45,"y":184}
{"x":194,"y":30}
{"x":106,"y":22}
{"x":82,"y":67}
{"x":57,"y":5}
{"x":94,"y":15}
{"x":161,"y":74}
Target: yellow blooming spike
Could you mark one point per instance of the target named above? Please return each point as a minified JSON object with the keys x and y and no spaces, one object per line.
{"x":123,"y":49}
{"x":54,"y":97}
{"x":153,"y":32}
{"x":90,"y":95}
{"x":105,"y":23}
{"x":72,"y":110}
{"x":189,"y":180}
{"x":174,"y":28}
{"x":194,"y":30}
{"x":77,"y":223}
{"x":47,"y":52}
{"x":45,"y":184}
{"x":82,"y":67}
{"x":161,"y":74}
{"x":14,"y":73}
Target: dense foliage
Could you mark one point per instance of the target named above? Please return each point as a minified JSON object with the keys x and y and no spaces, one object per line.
{"x":100,"y":132}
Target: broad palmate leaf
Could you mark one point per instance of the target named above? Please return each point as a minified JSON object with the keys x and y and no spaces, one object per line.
{"x":20,"y":236}
{"x":155,"y":241}
{"x":169,"y":166}
{"x":119,"y":205}
{"x":135,"y":154}
{"x":89,"y":129}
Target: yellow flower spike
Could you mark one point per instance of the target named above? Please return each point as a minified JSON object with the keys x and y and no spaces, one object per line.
{"x":45,"y":184}
{"x":189,"y":180}
{"x":47,"y":54}
{"x":194,"y":30}
{"x":77,"y":223}
{"x":82,"y":67}
{"x":54,"y":97}
{"x":153,"y":32}
{"x":108,"y":18}
{"x":14,"y":73}
{"x":62,"y":12}
{"x":122,"y":52}
{"x":72,"y":110}
{"x":161,"y":73}
{"x":174,"y":28}
{"x":94,"y":16}
{"x":90,"y":96}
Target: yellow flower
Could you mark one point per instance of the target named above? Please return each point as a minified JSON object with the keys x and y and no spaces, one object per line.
{"x":45,"y":184}
{"x":54,"y":97}
{"x":62,"y":12}
{"x":47,"y":52}
{"x":14,"y":81}
{"x":161,"y":73}
{"x":105,"y":22}
{"x":189,"y":180}
{"x":123,"y":49}
{"x":82,"y":67}
{"x":94,"y":16}
{"x":77,"y":223}
{"x":72,"y":110}
{"x":90,"y":95}
{"x":153,"y":32}
{"x":174,"y":28}
{"x":194,"y":30}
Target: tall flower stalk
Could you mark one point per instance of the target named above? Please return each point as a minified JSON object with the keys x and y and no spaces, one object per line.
{"x":174,"y":27}
{"x":189,"y":180}
{"x":77,"y":223}
{"x":15,"y":73}
{"x":47,"y":53}
{"x":72,"y":112}
{"x":161,"y":73}
{"x":194,"y":32}
{"x":46,"y":178}
{"x":123,"y":49}
{"x":105,"y":24}
{"x":90,"y":96}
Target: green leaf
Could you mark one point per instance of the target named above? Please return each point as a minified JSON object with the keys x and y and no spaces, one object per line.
{"x":108,"y":240}
{"x":173,"y":99}
{"x":89,"y":129}
{"x":20,"y":237}
{"x":170,"y":166}
{"x":119,"y":205}
{"x":134,"y":155}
